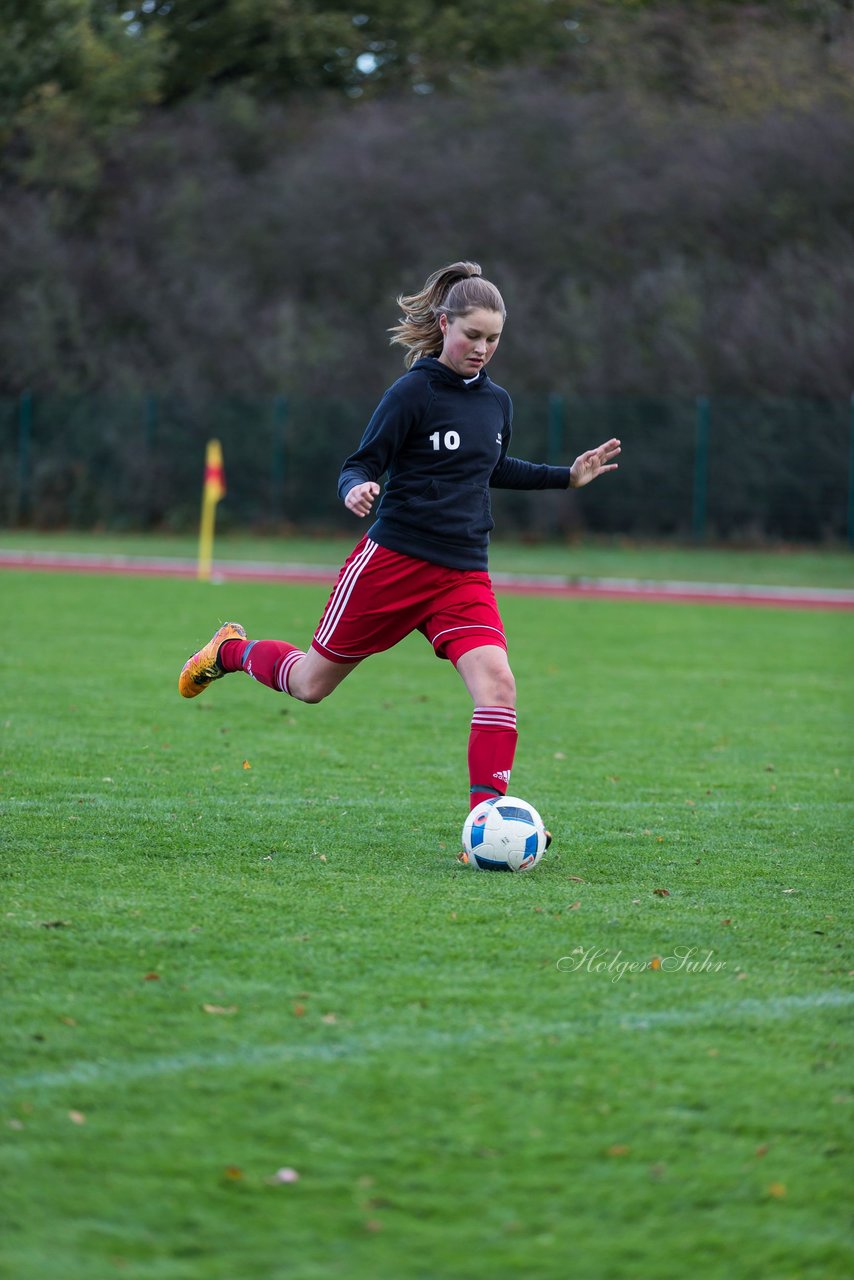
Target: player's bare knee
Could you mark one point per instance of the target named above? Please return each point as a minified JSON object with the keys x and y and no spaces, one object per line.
{"x":500,"y":687}
{"x":505,"y":689}
{"x":306,"y":688}
{"x":311,"y":692}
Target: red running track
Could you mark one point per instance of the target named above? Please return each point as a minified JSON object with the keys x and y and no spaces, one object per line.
{"x":507,"y":583}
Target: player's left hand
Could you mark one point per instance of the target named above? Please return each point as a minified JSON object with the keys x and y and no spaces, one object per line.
{"x":589,"y":465}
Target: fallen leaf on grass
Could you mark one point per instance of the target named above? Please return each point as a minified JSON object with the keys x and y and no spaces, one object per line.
{"x":219,"y":1008}
{"x":151,"y":977}
{"x":233,"y":1172}
{"x":777,"y":1190}
{"x":69,"y":1022}
{"x":573,"y":906}
{"x":299,"y":1010}
{"x":655,"y":962}
{"x":761,"y":1150}
{"x":618,"y":1149}
{"x":76,"y":1117}
{"x":661,"y":893}
{"x":329,"y":1018}
{"x":577,"y":880}
{"x":246,"y":764}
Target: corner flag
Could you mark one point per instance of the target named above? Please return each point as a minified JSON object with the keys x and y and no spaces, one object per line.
{"x":212,"y":493}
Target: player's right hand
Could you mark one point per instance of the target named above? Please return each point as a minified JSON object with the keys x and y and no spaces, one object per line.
{"x":360,"y":499}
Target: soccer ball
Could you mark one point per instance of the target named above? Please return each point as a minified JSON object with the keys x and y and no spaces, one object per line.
{"x":504,"y":834}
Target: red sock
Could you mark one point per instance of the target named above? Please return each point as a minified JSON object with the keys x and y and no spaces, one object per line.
{"x":492,"y":746}
{"x":268,"y":661}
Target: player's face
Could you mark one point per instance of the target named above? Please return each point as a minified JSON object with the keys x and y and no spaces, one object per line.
{"x":470,"y":340}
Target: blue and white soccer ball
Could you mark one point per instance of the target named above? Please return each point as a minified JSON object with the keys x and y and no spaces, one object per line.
{"x":504,"y":834}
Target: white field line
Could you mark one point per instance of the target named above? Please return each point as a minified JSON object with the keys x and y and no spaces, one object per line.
{"x":85,"y":559}
{"x":669,"y":586}
{"x":420,"y":1041}
{"x":242,"y":570}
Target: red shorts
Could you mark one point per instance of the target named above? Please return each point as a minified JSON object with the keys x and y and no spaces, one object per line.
{"x":381,"y":596}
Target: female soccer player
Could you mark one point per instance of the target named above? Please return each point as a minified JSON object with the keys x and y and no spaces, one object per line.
{"x":441,"y":434}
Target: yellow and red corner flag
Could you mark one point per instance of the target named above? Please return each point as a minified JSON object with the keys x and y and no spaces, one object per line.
{"x":212,"y":492}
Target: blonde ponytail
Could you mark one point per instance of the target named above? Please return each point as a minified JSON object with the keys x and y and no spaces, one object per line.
{"x":452,"y":291}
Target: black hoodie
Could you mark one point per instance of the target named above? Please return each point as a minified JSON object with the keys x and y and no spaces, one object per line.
{"x":443,"y":442}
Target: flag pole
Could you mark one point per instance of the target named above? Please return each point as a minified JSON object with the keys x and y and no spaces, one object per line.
{"x":212,"y":491}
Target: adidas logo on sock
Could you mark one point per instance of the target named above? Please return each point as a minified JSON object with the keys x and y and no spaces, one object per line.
{"x":503,"y":775}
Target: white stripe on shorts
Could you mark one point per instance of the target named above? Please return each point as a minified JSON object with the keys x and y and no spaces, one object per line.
{"x":469,"y":626}
{"x":342,"y":593}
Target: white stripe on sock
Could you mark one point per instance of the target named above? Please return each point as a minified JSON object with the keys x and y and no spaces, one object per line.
{"x":284,"y":671}
{"x":494,"y":718}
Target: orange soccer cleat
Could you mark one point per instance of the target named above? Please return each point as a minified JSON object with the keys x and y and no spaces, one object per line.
{"x":198,"y":671}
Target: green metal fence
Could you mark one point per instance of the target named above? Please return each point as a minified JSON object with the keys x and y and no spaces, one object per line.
{"x":702,"y":469}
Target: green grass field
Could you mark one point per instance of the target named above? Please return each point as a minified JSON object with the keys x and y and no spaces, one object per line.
{"x":236,"y":940}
